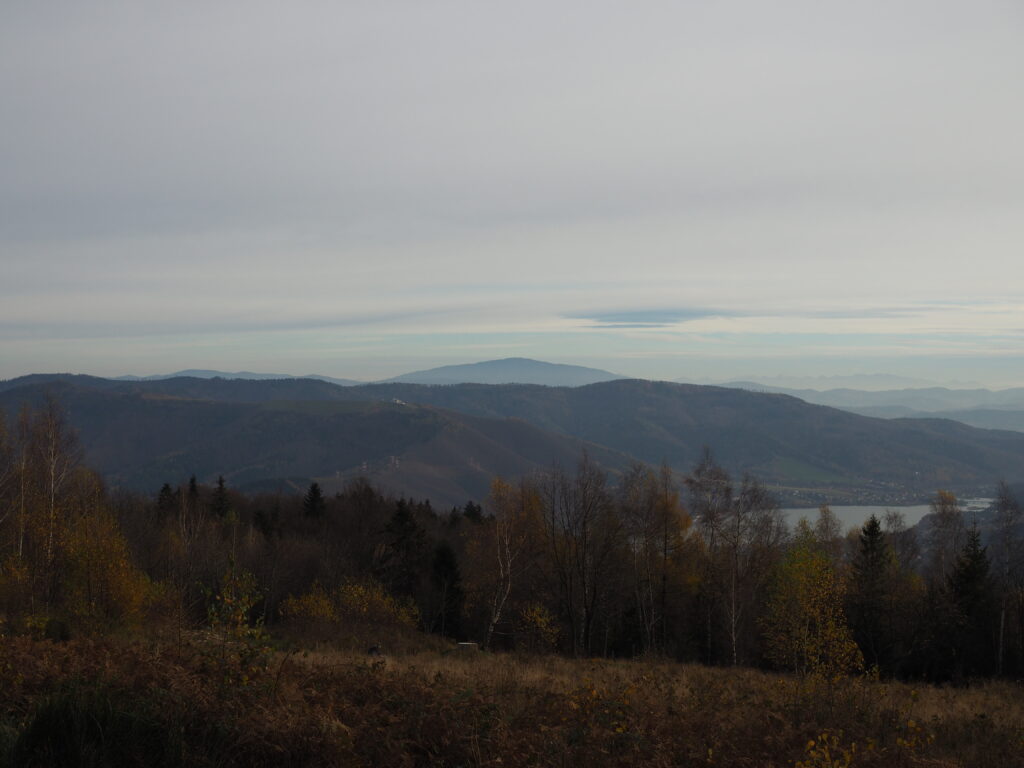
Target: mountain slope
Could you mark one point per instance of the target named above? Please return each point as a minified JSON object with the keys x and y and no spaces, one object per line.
{"x":806,"y":450}
{"x":60,"y":379}
{"x":861,"y":381}
{"x":983,"y":418}
{"x":982,"y":408}
{"x":512,"y":370}
{"x":142,"y":439}
{"x":779,"y":438}
{"x":930,"y":399}
{"x":195,"y":373}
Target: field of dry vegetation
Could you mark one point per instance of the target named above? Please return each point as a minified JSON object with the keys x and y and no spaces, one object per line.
{"x":202,"y":702}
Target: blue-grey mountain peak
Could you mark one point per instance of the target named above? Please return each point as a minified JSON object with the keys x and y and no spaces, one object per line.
{"x":511,"y":370}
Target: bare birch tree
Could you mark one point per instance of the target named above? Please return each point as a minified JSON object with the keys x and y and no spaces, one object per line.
{"x":655,"y":526}
{"x":945,"y":534}
{"x":516,"y":511}
{"x":1007,"y":559}
{"x":711,"y":498}
{"x":583,"y":533}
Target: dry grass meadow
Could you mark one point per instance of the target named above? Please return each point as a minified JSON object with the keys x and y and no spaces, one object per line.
{"x":202,"y":703}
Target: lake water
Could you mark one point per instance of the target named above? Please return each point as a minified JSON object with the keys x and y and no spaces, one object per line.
{"x":855,"y":516}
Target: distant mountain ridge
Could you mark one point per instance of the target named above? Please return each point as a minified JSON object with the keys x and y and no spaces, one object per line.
{"x":870,"y":382}
{"x":808,"y":452}
{"x":510,"y":370}
{"x":919,"y":399}
{"x":983,"y":418}
{"x":983,"y":408}
{"x":202,"y":373}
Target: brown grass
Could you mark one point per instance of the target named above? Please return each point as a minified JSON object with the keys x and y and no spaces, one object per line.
{"x":476,"y":709}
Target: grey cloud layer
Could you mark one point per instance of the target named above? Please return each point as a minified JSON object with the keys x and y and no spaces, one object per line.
{"x":250,"y":166}
{"x":227,"y":115}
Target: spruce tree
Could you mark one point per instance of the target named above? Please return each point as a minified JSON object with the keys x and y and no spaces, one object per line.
{"x":193,"y":494}
{"x":473,"y":512}
{"x":219,"y":503}
{"x":871,"y":596}
{"x":166,"y":501}
{"x":313,"y":504}
{"x":447,"y":580}
{"x":971,"y":594}
{"x":406,"y":551}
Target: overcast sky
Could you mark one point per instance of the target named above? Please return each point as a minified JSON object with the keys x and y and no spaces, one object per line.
{"x":359,"y":189}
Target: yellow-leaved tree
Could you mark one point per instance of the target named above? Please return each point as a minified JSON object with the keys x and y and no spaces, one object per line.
{"x":805,"y":627}
{"x":64,"y":564}
{"x":365,"y":601}
{"x":100,"y":586}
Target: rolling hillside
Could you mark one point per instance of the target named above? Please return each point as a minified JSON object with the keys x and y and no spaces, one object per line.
{"x":983,"y":418}
{"x":201,"y":373}
{"x":928,"y":399}
{"x":141,"y":439}
{"x":781,"y":439}
{"x":143,"y":432}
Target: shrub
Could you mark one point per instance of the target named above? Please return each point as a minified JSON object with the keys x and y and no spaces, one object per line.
{"x":83,"y":727}
{"x":360,"y":601}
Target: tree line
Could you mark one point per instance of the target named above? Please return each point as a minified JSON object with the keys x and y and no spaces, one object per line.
{"x":701,"y":568}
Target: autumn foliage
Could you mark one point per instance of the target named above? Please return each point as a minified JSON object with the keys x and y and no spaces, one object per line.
{"x":65,"y":566}
{"x":206,"y":626}
{"x":805,"y":626}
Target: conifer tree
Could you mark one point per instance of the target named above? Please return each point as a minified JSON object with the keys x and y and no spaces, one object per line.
{"x":871,"y":595}
{"x":166,"y":502}
{"x":447,"y":580}
{"x":972,"y":598}
{"x":473,"y":511}
{"x":219,"y":503}
{"x":313,"y":504}
{"x":190,"y":508}
{"x":405,"y":550}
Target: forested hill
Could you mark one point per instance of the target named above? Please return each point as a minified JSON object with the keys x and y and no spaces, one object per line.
{"x":781,"y":439}
{"x":795,"y":446}
{"x":141,"y":439}
{"x":189,"y":387}
{"x":985,"y":408}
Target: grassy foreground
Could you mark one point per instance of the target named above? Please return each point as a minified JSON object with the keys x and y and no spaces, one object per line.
{"x":118,"y":702}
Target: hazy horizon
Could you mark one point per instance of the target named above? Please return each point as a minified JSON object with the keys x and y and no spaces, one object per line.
{"x":865,"y":382}
{"x":711,"y":192}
